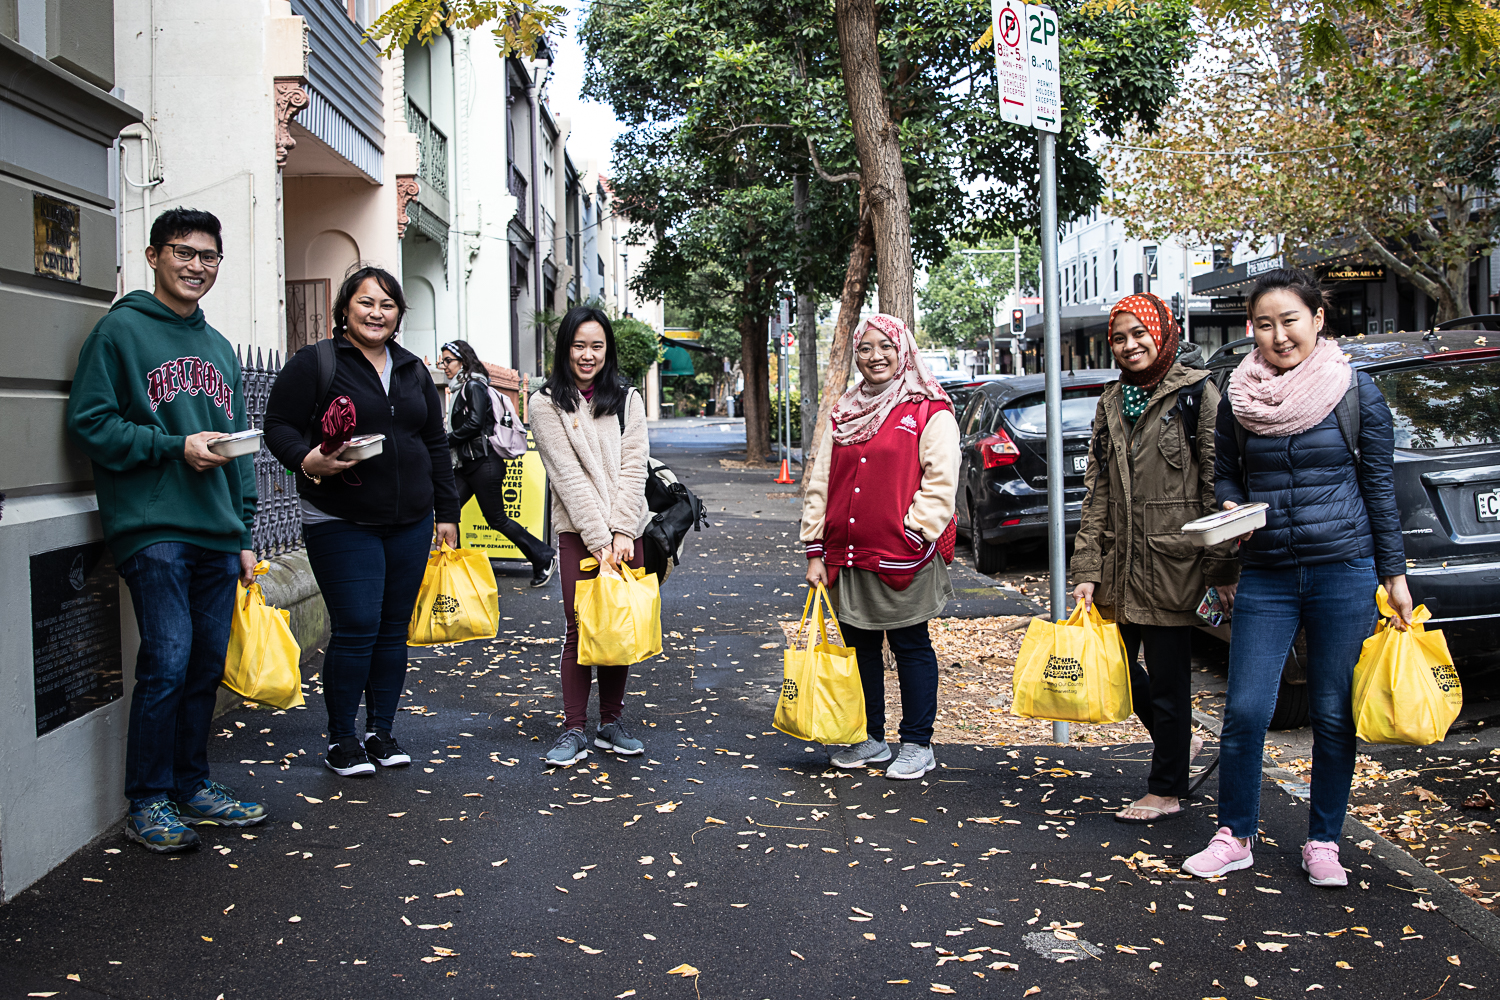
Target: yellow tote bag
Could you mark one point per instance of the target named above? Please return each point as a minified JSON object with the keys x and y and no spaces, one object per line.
{"x":1072,"y":671}
{"x":822,"y":699}
{"x":1405,"y":687}
{"x":458,"y":599}
{"x":619,"y":616}
{"x":262,"y":662}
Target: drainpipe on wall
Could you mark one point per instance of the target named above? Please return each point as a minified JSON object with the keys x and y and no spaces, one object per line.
{"x":534,"y":94}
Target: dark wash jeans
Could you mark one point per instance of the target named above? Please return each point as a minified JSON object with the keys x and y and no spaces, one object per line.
{"x":916,"y":672}
{"x":370,"y":575}
{"x":1162,"y":697}
{"x":183,"y":597}
{"x":1335,"y":603}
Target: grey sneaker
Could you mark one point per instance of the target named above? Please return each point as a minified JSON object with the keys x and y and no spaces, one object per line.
{"x":569,"y":749}
{"x":615,"y":737}
{"x":871,"y":751}
{"x":913,"y":761}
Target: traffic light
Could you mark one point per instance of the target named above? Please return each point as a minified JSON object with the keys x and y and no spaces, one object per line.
{"x":1177,"y":306}
{"x":1017,"y":321}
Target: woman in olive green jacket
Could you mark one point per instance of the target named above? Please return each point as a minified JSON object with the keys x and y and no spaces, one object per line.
{"x":1145,"y":480}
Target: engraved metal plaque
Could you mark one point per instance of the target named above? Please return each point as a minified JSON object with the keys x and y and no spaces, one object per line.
{"x":56,"y":228}
{"x":75,"y":633}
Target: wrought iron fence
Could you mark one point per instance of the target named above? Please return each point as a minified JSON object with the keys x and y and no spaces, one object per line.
{"x":278,"y":519}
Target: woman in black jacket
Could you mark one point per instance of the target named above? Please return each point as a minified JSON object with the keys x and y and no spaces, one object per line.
{"x":1299,"y":430}
{"x":479,"y":471}
{"x":368,"y":524}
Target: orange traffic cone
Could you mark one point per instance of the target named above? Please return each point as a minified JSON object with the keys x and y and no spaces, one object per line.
{"x":785,"y":476}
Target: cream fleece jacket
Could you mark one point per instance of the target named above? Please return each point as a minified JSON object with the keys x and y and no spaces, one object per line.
{"x":932,"y":507}
{"x":597,"y":474}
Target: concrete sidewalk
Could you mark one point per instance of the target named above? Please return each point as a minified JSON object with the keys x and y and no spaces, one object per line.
{"x":728,"y":861}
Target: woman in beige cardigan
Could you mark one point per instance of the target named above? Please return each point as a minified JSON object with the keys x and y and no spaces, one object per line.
{"x":596,"y":464}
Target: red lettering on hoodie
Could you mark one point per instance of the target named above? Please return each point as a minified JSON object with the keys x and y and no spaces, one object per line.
{"x":193,"y":376}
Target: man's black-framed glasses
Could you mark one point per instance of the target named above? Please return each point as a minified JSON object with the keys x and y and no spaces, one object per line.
{"x":183,"y":252}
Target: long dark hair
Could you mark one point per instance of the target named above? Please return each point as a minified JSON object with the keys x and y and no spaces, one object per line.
{"x":1297,"y":281}
{"x":347,"y":290}
{"x":609,"y":390}
{"x":468,"y":358}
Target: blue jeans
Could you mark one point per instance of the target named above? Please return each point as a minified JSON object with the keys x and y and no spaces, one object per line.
{"x":183,"y":597}
{"x":370,"y":575}
{"x":1335,"y":603}
{"x":916,"y":672}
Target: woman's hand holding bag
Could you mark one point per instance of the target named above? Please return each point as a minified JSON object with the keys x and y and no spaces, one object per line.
{"x":1405,"y":687}
{"x":619,"y":615}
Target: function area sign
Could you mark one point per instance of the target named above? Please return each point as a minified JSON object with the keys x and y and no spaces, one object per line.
{"x":1007,"y":21}
{"x":1044,"y":80}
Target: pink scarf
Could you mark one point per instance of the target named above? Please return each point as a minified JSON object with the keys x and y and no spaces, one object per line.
{"x":1275,"y":402}
{"x":861,"y":410}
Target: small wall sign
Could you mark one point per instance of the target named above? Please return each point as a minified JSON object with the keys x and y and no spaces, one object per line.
{"x":56,"y":227}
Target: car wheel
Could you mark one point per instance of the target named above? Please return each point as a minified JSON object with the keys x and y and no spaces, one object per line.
{"x":987,"y":558}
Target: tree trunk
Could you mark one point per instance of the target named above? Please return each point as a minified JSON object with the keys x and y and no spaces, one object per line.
{"x":807,"y":324}
{"x":755,"y":366}
{"x":877,"y":139}
{"x":841,"y":350}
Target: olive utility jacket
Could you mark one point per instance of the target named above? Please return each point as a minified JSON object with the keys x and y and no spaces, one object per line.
{"x":1130,"y":543}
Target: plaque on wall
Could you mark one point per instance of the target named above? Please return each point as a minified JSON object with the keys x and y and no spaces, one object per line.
{"x":58,"y":236}
{"x":75,"y":633}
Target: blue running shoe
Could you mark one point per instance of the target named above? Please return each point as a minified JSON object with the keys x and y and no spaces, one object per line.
{"x":157,"y":827}
{"x":214,"y":805}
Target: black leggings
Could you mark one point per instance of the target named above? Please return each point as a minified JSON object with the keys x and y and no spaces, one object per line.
{"x":485,"y":480}
{"x":1162,"y":698}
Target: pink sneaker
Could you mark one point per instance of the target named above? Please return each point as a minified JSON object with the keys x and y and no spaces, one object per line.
{"x":1320,"y":859}
{"x":1222,"y":855}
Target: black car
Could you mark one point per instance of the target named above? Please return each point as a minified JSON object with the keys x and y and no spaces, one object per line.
{"x":1002,"y":476}
{"x":1443,"y":389}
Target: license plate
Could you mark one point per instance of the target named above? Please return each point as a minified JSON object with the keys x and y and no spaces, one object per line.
{"x":1081,"y":464}
{"x":1488,"y":505}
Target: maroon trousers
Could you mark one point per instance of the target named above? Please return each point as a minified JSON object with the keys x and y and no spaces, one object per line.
{"x":576,"y":679}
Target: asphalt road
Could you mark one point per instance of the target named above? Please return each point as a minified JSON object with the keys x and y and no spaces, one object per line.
{"x":728,"y":848}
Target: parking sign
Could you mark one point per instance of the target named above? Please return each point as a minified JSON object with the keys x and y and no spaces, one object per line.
{"x":1044,"y":79}
{"x":1008,"y":23}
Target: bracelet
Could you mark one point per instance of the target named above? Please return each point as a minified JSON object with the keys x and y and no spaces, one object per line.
{"x":317,"y":480}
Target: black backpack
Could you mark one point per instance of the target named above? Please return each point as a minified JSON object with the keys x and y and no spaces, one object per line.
{"x":675,"y":510}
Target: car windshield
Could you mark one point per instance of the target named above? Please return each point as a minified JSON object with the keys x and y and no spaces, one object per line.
{"x":1444,"y":406}
{"x":1028,"y":414}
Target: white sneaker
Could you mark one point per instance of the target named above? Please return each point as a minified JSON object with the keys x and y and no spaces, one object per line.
{"x":871,"y":751}
{"x":913,"y":761}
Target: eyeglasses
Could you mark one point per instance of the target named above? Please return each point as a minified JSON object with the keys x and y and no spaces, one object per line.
{"x":446,"y":361}
{"x":865,"y":350}
{"x":183,"y":252}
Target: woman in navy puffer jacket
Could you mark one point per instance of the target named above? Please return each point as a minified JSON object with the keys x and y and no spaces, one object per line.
{"x":1331,"y":530}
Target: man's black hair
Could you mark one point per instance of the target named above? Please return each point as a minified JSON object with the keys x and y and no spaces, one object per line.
{"x":175,"y":223}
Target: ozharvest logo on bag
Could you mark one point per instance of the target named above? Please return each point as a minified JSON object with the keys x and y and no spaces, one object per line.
{"x":909,"y":424}
{"x":788,"y":689}
{"x":1062,"y":670}
{"x":444,"y":608}
{"x":1446,"y":676}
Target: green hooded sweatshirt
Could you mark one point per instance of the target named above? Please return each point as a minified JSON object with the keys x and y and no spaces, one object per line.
{"x":147,"y":378}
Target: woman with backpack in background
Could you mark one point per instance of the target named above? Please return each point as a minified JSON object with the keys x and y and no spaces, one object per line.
{"x":1301,"y":431}
{"x":1150,"y":471}
{"x":368,"y":525}
{"x":590,"y":428}
{"x":478,"y":469}
{"x":876,"y":509}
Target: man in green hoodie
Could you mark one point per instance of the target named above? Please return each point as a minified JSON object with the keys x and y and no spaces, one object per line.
{"x":155,"y":385}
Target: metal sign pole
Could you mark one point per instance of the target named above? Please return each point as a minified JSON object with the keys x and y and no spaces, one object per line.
{"x":1052,"y":351}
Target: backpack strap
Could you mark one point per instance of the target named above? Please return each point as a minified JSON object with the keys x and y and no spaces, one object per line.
{"x":1346,"y":412}
{"x":326,"y":351}
{"x":1189,"y":405}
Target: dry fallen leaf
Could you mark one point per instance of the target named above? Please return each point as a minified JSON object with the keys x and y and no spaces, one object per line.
{"x":1251,"y":981}
{"x":940,"y":988}
{"x":622,"y":996}
{"x":1276,"y":946}
{"x":1341,"y":964}
{"x":667,"y":807}
{"x":522,"y":954}
{"x":1034,"y":989}
{"x":684,"y":970}
{"x":1453,"y":960}
{"x":590,"y":951}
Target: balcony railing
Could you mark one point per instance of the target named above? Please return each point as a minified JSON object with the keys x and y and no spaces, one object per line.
{"x":432,"y":149}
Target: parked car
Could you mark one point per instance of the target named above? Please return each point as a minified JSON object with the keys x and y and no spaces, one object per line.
{"x":1443,"y":388}
{"x":961,"y":390}
{"x":1002,"y":477}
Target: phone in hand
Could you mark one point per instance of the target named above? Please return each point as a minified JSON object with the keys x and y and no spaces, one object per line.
{"x":1211,"y":609}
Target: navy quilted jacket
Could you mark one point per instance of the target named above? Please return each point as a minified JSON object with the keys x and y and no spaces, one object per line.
{"x":1324,"y":508}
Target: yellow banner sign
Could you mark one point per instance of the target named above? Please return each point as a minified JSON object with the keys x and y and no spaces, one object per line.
{"x":525,"y":495}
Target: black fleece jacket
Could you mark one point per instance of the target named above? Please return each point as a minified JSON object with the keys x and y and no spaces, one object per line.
{"x":411,"y":478}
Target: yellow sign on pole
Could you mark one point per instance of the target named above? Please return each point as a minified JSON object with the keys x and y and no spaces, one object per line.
{"x":525,"y":494}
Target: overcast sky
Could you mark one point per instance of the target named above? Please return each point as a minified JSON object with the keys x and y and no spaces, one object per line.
{"x":594,"y":125}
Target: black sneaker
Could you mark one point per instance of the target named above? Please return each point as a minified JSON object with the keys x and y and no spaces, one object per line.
{"x":348,"y":758}
{"x":542,"y":576}
{"x":383,"y":749}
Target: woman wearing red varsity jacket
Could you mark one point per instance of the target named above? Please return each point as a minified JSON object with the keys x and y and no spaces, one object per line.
{"x":878,"y":510}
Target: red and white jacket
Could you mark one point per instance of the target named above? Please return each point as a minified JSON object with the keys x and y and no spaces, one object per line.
{"x":881,"y":505}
